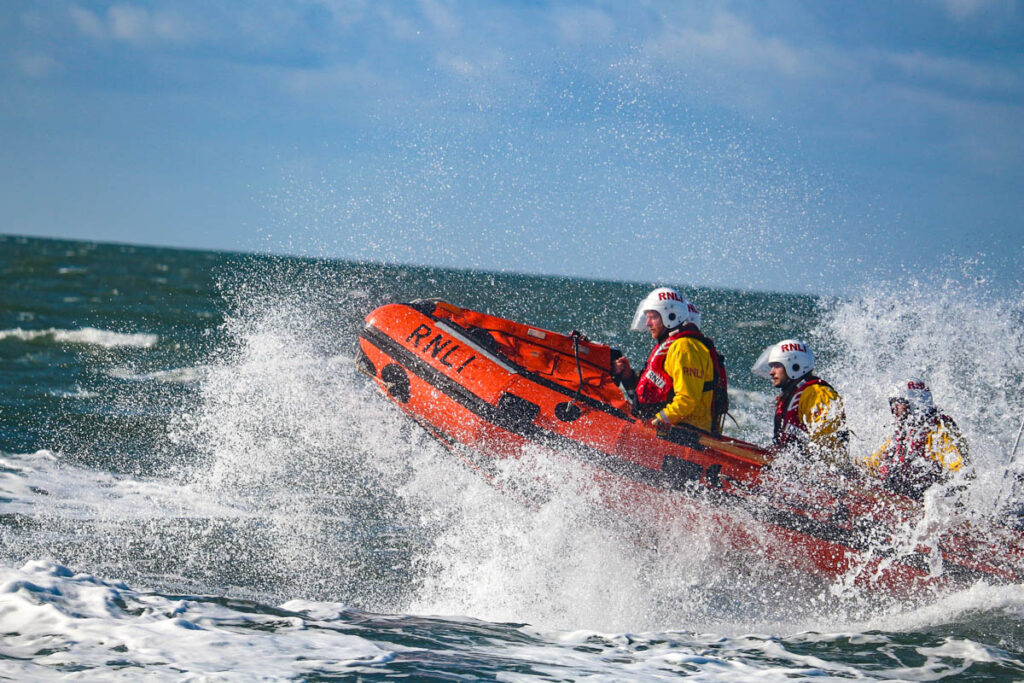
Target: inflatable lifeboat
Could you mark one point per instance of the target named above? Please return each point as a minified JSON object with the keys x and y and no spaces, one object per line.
{"x":490,"y":388}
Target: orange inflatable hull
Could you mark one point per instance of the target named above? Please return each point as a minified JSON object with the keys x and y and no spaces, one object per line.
{"x":490,"y":388}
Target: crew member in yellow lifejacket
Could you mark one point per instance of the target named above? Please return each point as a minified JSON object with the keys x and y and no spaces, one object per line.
{"x":925,"y":447}
{"x":809,"y":414}
{"x":684,"y":379}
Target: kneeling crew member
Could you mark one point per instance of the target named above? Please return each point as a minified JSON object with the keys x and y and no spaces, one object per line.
{"x":925,"y":446}
{"x":809,"y":414}
{"x":678,"y":383}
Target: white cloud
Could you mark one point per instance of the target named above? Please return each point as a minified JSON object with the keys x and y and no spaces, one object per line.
{"x":992,"y":137}
{"x":734,"y":42}
{"x":37,"y":65}
{"x":735,"y":48}
{"x":584,"y":26}
{"x":131,"y":24}
{"x":440,"y":17}
{"x":87,"y":23}
{"x":967,"y":105}
{"x":344,"y":13}
{"x":400,"y":26}
{"x":964,"y":9}
{"x":960,"y":74}
{"x":986,"y":135}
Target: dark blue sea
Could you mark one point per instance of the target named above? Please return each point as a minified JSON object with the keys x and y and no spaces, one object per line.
{"x":196,"y":483}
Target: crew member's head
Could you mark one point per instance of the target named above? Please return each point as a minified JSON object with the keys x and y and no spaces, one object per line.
{"x":784,"y":362}
{"x":910,"y":396}
{"x":662,"y":311}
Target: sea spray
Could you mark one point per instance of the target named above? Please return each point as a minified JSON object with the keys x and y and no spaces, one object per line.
{"x":608,"y":557}
{"x":287,"y":434}
{"x":965,"y":340}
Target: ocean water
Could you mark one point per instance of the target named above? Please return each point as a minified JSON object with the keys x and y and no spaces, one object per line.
{"x":197,"y":484}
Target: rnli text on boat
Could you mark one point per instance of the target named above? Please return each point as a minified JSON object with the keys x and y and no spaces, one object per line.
{"x":438,"y":347}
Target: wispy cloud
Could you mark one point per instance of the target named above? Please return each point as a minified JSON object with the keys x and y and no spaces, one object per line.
{"x":131,"y":24}
{"x":37,"y":65}
{"x":954,"y":74}
{"x":583,"y":25}
{"x":730,"y":40}
{"x":964,"y":9}
{"x":442,"y":18}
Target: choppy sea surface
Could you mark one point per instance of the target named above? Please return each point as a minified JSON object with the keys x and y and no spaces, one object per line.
{"x":197,"y":484}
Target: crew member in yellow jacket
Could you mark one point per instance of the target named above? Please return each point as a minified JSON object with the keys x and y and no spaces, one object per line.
{"x":683,"y":381}
{"x":809,"y":414}
{"x":925,"y":446}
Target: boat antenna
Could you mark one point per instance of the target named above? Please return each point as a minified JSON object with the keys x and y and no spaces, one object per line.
{"x":1009,"y":466}
{"x":1013,"y":453}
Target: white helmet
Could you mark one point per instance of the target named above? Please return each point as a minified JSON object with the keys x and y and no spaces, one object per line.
{"x":792,"y":353}
{"x":692,"y":314}
{"x":670,"y":304}
{"x":914,"y":391}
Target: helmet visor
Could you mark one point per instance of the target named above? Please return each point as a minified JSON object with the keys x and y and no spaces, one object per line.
{"x":762,"y":367}
{"x":639,"y":318}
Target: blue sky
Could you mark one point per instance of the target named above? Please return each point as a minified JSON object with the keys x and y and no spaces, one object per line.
{"x":797,"y":146}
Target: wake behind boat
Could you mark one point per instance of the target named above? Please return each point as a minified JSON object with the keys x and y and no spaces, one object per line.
{"x":490,"y":388}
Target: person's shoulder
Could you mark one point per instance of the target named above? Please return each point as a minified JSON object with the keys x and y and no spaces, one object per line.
{"x":946,"y":422}
{"x":690,"y":345}
{"x":692,"y":340}
{"x":822,"y":389}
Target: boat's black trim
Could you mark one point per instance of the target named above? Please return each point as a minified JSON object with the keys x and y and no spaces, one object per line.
{"x":516,"y":415}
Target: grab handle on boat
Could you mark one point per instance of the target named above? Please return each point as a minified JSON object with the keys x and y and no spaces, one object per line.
{"x":576,"y":335}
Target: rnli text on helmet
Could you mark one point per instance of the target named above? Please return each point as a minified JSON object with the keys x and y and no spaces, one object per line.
{"x":786,"y":348}
{"x":674,"y":296}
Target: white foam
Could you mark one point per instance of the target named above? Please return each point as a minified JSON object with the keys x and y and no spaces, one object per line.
{"x":78,"y":393}
{"x":188,"y":375}
{"x":42,"y":485}
{"x":54,"y":618}
{"x":980,"y":598}
{"x":87,"y":336}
